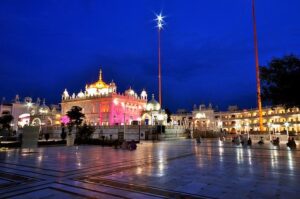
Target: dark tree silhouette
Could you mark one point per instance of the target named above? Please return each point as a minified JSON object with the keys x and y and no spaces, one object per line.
{"x":85,"y":131}
{"x":63,"y":134}
{"x":168,"y":112}
{"x":5,"y":120}
{"x":281,"y":80}
{"x":76,"y":117}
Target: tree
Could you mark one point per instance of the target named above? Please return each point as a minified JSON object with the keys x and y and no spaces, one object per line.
{"x":5,"y":120}
{"x":281,"y":80}
{"x":85,"y":132}
{"x":168,"y":112}
{"x":76,"y":117}
{"x":63,"y":132}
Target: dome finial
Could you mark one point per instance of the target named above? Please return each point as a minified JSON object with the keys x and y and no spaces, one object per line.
{"x":100,"y":75}
{"x":152,"y":96}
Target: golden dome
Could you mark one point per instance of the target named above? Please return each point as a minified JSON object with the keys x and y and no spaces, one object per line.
{"x":100,"y":83}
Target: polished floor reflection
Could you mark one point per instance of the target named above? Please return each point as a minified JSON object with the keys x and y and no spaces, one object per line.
{"x":173,"y":169}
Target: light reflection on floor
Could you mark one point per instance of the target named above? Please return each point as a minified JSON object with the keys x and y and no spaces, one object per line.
{"x":212,"y":169}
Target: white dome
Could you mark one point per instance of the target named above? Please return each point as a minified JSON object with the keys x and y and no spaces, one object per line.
{"x":144,"y":94}
{"x":65,"y":93}
{"x":153,"y":105}
{"x":80,"y":94}
{"x":130,"y":92}
{"x":44,"y":109}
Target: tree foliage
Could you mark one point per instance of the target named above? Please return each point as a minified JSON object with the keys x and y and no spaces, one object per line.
{"x":281,"y":81}
{"x":168,"y":112}
{"x":5,"y":120}
{"x":76,"y":117}
{"x":85,"y":131}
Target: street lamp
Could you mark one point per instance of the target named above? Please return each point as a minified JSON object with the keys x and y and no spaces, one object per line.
{"x":160,"y":119}
{"x":160,"y":23}
{"x":286,"y":124}
{"x":269,"y":127}
{"x":247,"y":129}
{"x":124,"y":105}
{"x":139,"y":123}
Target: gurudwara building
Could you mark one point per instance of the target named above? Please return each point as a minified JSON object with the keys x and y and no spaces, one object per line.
{"x":102,"y":105}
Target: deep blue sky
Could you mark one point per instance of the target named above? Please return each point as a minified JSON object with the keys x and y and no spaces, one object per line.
{"x":207,"y":47}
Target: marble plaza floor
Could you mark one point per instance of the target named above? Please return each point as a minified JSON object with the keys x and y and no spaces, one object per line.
{"x":173,"y":169}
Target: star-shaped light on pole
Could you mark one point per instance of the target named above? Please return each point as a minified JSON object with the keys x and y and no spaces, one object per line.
{"x":160,"y":23}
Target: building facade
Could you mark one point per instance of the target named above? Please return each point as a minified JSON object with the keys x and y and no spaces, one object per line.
{"x":27,"y":112}
{"x":154,"y":114}
{"x":275,"y":119}
{"x":202,"y":118}
{"x":102,"y":105}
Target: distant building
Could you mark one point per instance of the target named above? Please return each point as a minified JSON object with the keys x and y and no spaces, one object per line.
{"x":102,"y":105}
{"x":153,"y":114}
{"x":275,"y":119}
{"x":182,"y":118}
{"x":27,"y":112}
{"x":202,"y":118}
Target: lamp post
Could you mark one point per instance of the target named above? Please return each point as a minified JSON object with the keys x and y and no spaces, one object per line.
{"x":286,"y":124}
{"x":139,"y":124}
{"x":124,"y":126}
{"x":160,"y":23}
{"x":269,"y":127}
{"x":247,"y":129}
{"x":160,"y":119}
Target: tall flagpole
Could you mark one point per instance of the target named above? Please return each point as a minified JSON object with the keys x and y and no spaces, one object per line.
{"x":160,"y":22}
{"x":258,"y":88}
{"x":159,"y":70}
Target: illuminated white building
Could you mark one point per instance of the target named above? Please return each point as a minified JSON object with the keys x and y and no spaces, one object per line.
{"x":275,"y":120}
{"x":202,"y":119}
{"x":154,"y":115}
{"x":27,"y":112}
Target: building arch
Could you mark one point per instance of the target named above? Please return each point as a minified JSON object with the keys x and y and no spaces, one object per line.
{"x":49,"y":121}
{"x":36,"y":122}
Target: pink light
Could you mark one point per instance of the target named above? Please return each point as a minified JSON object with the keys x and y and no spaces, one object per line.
{"x":65,"y":119}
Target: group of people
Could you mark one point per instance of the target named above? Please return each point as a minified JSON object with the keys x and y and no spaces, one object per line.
{"x":275,"y":141}
{"x":291,"y":143}
{"x":126,"y":145}
{"x":242,"y":140}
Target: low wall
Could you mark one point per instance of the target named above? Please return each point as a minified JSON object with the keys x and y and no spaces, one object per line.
{"x":132,"y":132}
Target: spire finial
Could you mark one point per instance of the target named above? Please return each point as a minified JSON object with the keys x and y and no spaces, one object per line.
{"x":100,"y":75}
{"x":152,"y":96}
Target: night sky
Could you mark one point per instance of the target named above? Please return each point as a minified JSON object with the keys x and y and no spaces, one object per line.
{"x":207,"y":47}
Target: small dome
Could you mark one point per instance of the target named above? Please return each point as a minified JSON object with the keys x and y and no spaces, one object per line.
{"x":112,"y":83}
{"x":144,"y":94}
{"x":153,"y":105}
{"x":130,"y":92}
{"x":44,"y":109}
{"x":65,"y":93}
{"x":80,"y":94}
